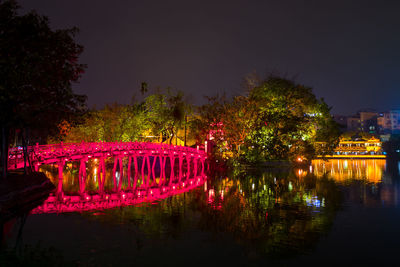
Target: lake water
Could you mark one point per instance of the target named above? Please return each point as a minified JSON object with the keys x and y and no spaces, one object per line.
{"x":338,"y":211}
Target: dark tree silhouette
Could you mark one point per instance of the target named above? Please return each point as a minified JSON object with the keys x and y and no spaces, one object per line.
{"x":37,"y":67}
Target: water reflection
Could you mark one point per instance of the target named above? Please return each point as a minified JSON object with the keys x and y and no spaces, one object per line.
{"x":343,"y":170}
{"x":267,"y":214}
{"x":272,"y":213}
{"x":371,"y":183}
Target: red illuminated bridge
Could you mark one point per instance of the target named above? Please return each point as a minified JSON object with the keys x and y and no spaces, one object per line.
{"x":163,"y":170}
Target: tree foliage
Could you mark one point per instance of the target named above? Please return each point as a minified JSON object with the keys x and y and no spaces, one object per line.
{"x":277,"y":119}
{"x":290,"y":120}
{"x":112,"y":123}
{"x":159,"y":115}
{"x":37,"y":67}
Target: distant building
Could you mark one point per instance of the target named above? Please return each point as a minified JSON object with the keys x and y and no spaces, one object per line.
{"x":389,"y":121}
{"x":354,"y":123}
{"x":368,"y":121}
{"x":380,"y":121}
{"x":364,"y":121}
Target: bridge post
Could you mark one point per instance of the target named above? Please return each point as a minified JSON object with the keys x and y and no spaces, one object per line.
{"x":121,"y":172}
{"x":129,"y":172}
{"x":114,"y":173}
{"x":148,"y":171}
{"x":171,"y":176}
{"x":82,"y":175}
{"x":61,"y":164}
{"x":143,"y":177}
{"x":180,"y":166}
{"x":152,"y":170}
{"x":188,"y":167}
{"x":163,"y":175}
{"x":101,"y":174}
{"x":36,"y":167}
{"x":195,"y":160}
{"x":136,"y":172}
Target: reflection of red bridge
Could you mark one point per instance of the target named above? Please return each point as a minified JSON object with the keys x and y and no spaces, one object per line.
{"x":85,"y":202}
{"x":148,"y":159}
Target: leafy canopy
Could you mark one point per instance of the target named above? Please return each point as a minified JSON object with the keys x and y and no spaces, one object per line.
{"x":277,"y":119}
{"x":37,"y":67}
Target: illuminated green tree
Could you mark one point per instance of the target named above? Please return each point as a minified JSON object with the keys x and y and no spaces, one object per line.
{"x":166,"y":113}
{"x":159,"y":114}
{"x":290,"y":120}
{"x":277,"y":119}
{"x":112,"y":123}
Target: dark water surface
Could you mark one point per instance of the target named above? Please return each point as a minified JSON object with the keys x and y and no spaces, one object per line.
{"x":338,"y":212}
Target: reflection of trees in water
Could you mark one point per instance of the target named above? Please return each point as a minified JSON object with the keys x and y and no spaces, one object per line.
{"x":273,"y":213}
{"x":161,"y":220}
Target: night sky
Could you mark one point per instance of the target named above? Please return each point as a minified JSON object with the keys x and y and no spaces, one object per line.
{"x":348,"y":51}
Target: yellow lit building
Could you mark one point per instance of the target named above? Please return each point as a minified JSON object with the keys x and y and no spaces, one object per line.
{"x":360,"y":148}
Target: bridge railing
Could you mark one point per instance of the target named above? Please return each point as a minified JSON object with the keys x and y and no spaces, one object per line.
{"x":38,"y":152}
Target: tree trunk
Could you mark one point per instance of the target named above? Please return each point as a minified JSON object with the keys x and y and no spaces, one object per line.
{"x":4,"y":151}
{"x":28,"y":142}
{"x":24,"y":149}
{"x":184,"y":142}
